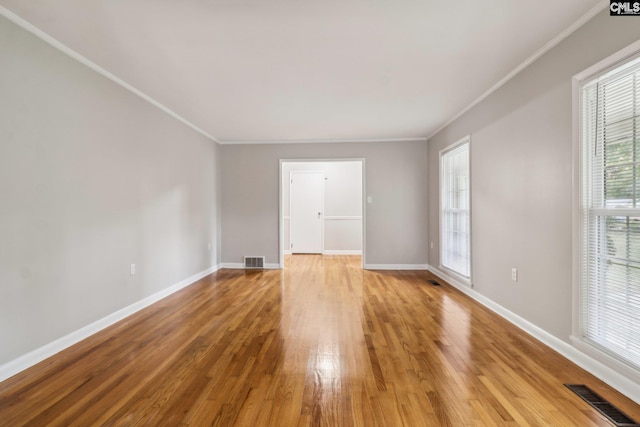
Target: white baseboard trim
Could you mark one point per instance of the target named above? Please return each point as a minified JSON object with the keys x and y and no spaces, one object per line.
{"x":25,"y":361}
{"x":232,"y":265}
{"x":450,"y":278}
{"x":615,"y":379}
{"x":396,"y":267}
{"x":286,"y":252}
{"x":340,"y":252}
{"x":240,"y":266}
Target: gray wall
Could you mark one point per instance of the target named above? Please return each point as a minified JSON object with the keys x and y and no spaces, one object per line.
{"x":521,"y":177}
{"x":395,"y":176}
{"x":92,"y":179}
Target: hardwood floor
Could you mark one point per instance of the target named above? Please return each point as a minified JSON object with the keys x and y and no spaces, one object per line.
{"x":321,"y":343}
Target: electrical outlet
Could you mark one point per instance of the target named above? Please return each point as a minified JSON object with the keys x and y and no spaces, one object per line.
{"x":431,"y":245}
{"x":132,"y":270}
{"x":209,"y":246}
{"x":514,"y":274}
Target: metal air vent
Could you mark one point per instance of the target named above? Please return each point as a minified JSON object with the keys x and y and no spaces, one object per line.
{"x":254,"y":262}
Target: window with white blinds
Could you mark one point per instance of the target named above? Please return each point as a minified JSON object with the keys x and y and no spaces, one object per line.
{"x":610,"y":276}
{"x":455,"y":212}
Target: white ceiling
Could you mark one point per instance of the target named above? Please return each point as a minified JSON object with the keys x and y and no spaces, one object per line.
{"x":285,"y":70}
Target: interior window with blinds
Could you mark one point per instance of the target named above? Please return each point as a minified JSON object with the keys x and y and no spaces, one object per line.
{"x":610,"y":279}
{"x":455,"y":239}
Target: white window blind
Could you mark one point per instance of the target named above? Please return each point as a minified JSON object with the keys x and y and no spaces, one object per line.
{"x":610,"y":278}
{"x":455,"y":239}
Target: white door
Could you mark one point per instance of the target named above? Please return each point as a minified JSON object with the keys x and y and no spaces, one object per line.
{"x":306,"y":211}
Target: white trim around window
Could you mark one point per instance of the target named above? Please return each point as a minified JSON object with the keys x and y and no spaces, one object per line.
{"x":455,"y":209}
{"x":606,"y":261}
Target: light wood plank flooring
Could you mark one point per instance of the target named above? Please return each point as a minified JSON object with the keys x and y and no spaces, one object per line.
{"x":321,"y":343}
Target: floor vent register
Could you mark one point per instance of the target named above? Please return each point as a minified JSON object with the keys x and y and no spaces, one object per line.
{"x":613,"y":414}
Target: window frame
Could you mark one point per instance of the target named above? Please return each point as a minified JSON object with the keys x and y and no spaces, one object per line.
{"x":608,"y":358}
{"x":466,"y":280}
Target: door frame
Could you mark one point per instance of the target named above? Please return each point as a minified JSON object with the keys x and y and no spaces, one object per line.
{"x":281,"y":211}
{"x":307,"y":172}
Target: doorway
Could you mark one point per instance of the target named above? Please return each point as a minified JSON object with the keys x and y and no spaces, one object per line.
{"x":327,"y":198}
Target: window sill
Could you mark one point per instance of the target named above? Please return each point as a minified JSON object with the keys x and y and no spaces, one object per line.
{"x":607,"y":359}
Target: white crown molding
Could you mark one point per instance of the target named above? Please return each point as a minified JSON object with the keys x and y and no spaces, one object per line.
{"x":318,"y":141}
{"x":98,"y":69}
{"x":15,"y":366}
{"x":616,"y":380}
{"x":601,"y":5}
{"x":82,"y":59}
